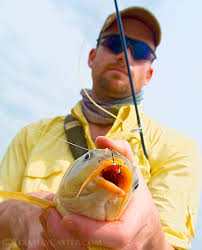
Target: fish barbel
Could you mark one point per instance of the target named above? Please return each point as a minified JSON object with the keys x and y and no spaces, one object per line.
{"x":98,"y":185}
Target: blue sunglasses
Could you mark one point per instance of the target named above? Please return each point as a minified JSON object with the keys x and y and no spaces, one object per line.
{"x":139,"y":49}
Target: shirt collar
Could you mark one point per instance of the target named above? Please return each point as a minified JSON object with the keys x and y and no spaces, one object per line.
{"x":125,"y":125}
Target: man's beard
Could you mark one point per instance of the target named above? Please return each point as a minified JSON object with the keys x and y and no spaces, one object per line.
{"x":114,"y":90}
{"x":113,"y":86}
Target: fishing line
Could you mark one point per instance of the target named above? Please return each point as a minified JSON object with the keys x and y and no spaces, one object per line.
{"x":139,"y":129}
{"x":124,"y":46}
{"x":79,"y":71}
{"x":29,"y":126}
{"x":42,"y":132}
{"x":79,"y":65}
{"x":60,"y":139}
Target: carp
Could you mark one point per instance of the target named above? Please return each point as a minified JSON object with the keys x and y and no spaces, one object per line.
{"x":98,"y":185}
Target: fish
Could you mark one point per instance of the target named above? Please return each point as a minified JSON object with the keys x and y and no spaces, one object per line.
{"x":99,"y":185}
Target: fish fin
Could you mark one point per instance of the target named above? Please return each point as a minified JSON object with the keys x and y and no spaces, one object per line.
{"x":28,"y":198}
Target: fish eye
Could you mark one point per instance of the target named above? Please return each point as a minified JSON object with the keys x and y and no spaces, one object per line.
{"x":136,"y":182}
{"x":136,"y":185}
{"x":87,"y":156}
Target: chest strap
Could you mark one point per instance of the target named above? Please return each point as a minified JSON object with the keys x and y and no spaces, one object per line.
{"x":75,"y":134}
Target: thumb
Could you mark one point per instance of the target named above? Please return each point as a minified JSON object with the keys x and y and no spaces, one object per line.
{"x":121,"y":146}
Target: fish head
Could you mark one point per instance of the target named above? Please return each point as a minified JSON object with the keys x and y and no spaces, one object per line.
{"x":99,"y":185}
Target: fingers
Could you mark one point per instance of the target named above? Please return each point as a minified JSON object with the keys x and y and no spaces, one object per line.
{"x":45,"y":242}
{"x":51,"y":221}
{"x":109,"y":234}
{"x":54,"y":232}
{"x":42,"y":195}
{"x":117,"y":234}
{"x":49,"y":197}
{"x":121,"y":146}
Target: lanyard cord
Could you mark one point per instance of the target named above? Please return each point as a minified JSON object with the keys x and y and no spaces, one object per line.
{"x":123,"y":41}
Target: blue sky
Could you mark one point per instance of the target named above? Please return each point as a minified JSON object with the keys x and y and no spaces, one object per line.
{"x":43,"y":63}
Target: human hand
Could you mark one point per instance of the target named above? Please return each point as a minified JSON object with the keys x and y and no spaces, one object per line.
{"x":137,"y":228}
{"x":56,"y":235}
{"x":23,"y":222}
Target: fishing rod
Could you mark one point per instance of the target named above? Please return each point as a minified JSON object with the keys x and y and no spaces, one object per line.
{"x":124,"y":46}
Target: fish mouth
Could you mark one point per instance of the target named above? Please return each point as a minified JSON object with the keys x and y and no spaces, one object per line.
{"x":112,"y":175}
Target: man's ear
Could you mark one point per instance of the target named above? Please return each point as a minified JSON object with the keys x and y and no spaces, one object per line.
{"x":149,"y":76}
{"x":91,"y":57}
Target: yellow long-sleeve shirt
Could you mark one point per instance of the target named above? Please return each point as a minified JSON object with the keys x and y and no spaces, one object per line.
{"x":38,"y":157}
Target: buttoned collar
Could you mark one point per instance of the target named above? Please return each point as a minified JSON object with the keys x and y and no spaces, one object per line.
{"x":125,"y":125}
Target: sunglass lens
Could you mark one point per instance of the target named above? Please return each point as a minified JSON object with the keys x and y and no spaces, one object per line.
{"x":141,"y":51}
{"x":113,"y":43}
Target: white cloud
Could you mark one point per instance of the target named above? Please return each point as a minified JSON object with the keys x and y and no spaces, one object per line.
{"x":41,"y":44}
{"x":38,"y":67}
{"x":38,"y":57}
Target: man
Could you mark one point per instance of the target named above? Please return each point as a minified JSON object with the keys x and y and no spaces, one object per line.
{"x":162,"y":211}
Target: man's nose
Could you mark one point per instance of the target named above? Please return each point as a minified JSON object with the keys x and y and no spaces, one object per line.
{"x":121,"y":56}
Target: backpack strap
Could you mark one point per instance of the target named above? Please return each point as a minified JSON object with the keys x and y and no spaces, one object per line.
{"x":75,"y":134}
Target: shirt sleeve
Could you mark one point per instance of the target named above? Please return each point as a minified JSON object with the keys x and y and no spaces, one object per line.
{"x":175,"y":184}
